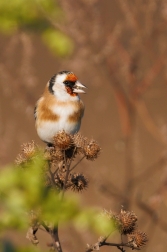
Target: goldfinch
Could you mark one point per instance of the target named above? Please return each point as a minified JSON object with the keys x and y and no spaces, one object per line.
{"x":60,"y":107}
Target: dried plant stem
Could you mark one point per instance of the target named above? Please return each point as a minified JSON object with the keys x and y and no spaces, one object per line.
{"x":72,"y":157}
{"x":54,"y":235}
{"x":54,"y":230}
{"x":55,"y":172}
{"x":51,"y":174}
{"x":97,"y":245}
{"x":55,"y":238}
{"x":68,"y":170}
{"x":121,"y":248}
{"x":67,"y":166}
{"x":77,"y":163}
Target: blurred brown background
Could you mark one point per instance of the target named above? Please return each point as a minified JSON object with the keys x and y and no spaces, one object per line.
{"x":120,"y":54}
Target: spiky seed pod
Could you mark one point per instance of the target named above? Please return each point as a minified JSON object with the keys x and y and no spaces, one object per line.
{"x":62,"y":140}
{"x":20,"y":159}
{"x":92,"y":150}
{"x":108,"y":214}
{"x":116,"y":222}
{"x":78,"y":182}
{"x":79,"y":140}
{"x":29,"y":149}
{"x":56,"y":155}
{"x":114,"y":218}
{"x":47,"y":155}
{"x":126,"y":221}
{"x":137,"y":239}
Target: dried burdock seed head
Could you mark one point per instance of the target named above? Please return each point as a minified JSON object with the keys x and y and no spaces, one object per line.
{"x":89,"y":148}
{"x":20,"y":159}
{"x":137,"y":239}
{"x":54,"y":155}
{"x":79,"y":140}
{"x":113,"y":217}
{"x":47,"y":155}
{"x":92,"y":150}
{"x":62,"y":140}
{"x":126,"y":221}
{"x":57,"y":155}
{"x":29,"y":149}
{"x":78,"y":182}
{"x":108,"y":214}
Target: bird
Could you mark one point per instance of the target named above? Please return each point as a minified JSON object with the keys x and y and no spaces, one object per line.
{"x":60,"y":107}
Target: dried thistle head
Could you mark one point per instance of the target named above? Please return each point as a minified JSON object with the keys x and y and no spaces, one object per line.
{"x":28,"y":150}
{"x":54,"y":154}
{"x":108,"y":214}
{"x":126,"y":221}
{"x":62,"y":140}
{"x":137,"y":239}
{"x":78,"y":182}
{"x":92,"y":150}
{"x":79,"y":140}
{"x":113,"y":217}
{"x":20,"y":159}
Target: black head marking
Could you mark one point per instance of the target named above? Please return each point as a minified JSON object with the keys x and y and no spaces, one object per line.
{"x":65,"y":72}
{"x":35,"y":112}
{"x":69,"y":84}
{"x":51,"y":83}
{"x":52,"y":80}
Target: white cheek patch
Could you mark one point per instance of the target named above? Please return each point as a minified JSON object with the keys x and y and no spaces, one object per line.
{"x":60,"y":78}
{"x":60,"y":91}
{"x":59,"y":85}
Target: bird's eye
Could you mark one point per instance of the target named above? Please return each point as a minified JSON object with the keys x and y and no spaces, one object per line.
{"x":69,"y":83}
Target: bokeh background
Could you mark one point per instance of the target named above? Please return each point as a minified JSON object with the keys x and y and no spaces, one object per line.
{"x":118,"y":49}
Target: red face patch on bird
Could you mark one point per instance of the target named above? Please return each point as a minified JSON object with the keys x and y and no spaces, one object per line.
{"x":70,"y":91}
{"x":71,"y":77}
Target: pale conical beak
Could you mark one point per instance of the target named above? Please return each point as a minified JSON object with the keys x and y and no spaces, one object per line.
{"x":78,"y":87}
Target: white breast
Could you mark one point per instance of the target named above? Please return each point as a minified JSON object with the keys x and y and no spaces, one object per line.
{"x":48,"y":129}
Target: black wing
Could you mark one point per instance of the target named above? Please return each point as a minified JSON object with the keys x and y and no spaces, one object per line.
{"x":35,"y":112}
